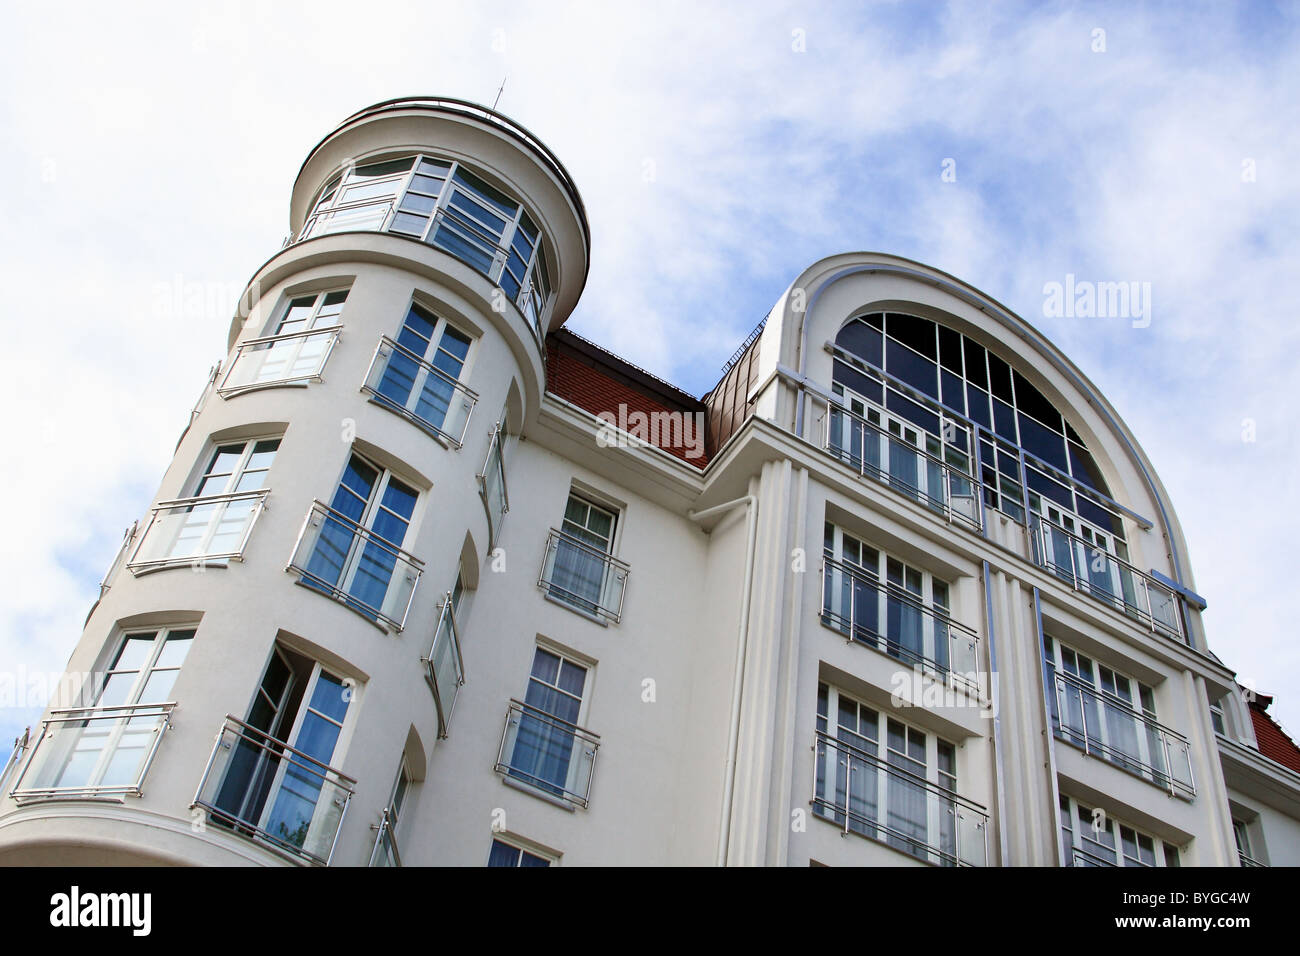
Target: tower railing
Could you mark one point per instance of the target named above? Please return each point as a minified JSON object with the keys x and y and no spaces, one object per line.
{"x":441,"y":405}
{"x":267,"y":791}
{"x":444,"y":666}
{"x":93,"y":751}
{"x":276,"y":360}
{"x":207,"y":530}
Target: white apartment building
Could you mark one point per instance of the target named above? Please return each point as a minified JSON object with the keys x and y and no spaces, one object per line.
{"x":432,"y":581}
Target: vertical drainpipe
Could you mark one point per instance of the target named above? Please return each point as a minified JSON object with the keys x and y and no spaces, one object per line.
{"x":1048,"y":737}
{"x":998,"y":769}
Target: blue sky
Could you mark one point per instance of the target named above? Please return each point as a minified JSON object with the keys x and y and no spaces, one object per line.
{"x":720,"y":150}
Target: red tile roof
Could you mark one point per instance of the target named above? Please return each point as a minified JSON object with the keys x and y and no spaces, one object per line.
{"x":1273,"y":740}
{"x":604,"y":384}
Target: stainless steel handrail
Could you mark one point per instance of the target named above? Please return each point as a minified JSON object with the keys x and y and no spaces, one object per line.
{"x":893,"y":592}
{"x":136,"y":565}
{"x":386,"y":836}
{"x":335,"y":591}
{"x":85,"y":715}
{"x":943,"y":795}
{"x":495,"y":443}
{"x":1040,"y":527}
{"x":578,"y":734}
{"x":951,"y":472}
{"x":401,"y":410}
{"x":446,"y":611}
{"x":279,"y":749}
{"x":1093,"y":743}
{"x":332,"y":331}
{"x":610,"y":562}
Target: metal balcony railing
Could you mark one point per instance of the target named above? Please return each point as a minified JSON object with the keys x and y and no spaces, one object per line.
{"x":1081,"y":857}
{"x":444,"y":667}
{"x":93,"y":751}
{"x":385,"y":852}
{"x":355,"y":566}
{"x":1110,"y":728}
{"x":584,"y":577}
{"x":211,"y":530}
{"x":276,"y":360}
{"x":15,"y":758}
{"x":547,"y":753}
{"x":925,"y":478}
{"x":894,"y":621}
{"x":404,"y":383}
{"x":128,"y":536}
{"x":369,"y":216}
{"x":492,"y":484}
{"x":871,"y":797}
{"x":1247,"y":861}
{"x":263,"y":789}
{"x":1103,"y":576}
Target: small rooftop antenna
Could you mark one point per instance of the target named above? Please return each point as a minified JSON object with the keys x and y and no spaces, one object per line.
{"x":503,"y":86}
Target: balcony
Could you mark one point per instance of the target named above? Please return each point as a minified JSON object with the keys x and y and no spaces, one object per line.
{"x":407,"y":385}
{"x":880,"y":456}
{"x":547,"y":754}
{"x":355,"y":566}
{"x":293,"y":359}
{"x":197,"y":532}
{"x":455,"y":233}
{"x":585,"y":578}
{"x":263,"y":789}
{"x":444,"y":667}
{"x":871,"y":797}
{"x":94,"y":752}
{"x":1104,"y":577}
{"x":1247,"y":861}
{"x":893,"y":621}
{"x":385,"y":852}
{"x":1082,"y":857}
{"x":1110,"y":728}
{"x":492,"y":484}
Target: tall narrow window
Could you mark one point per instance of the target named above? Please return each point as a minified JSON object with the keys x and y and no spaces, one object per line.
{"x":543,"y":745}
{"x":421,"y":376}
{"x":357,"y":555}
{"x":387,"y":851}
{"x":1090,"y":837}
{"x":579,"y":573}
{"x":274,"y":780}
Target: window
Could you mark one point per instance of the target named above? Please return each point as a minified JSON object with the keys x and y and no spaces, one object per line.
{"x":930,"y":463}
{"x":451,"y":207}
{"x":1247,"y":855}
{"x":386,"y":851}
{"x":1090,"y":837}
{"x":418,"y":375}
{"x":882,"y":778}
{"x":1112,"y":716}
{"x":579,"y":569}
{"x":356,"y":554}
{"x":444,"y":666}
{"x":212,"y":526}
{"x":492,"y":482}
{"x":879,"y":601}
{"x":271,"y":776}
{"x":507,"y":854}
{"x":543,"y":745}
{"x":107,"y":749}
{"x":1216,"y":718}
{"x":294,"y":352}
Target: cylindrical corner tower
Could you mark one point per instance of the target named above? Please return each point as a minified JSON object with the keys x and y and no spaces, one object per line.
{"x":286,"y":609}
